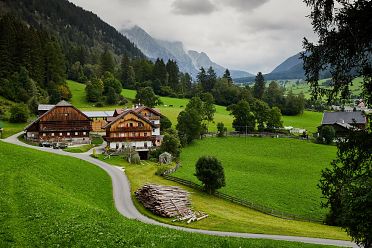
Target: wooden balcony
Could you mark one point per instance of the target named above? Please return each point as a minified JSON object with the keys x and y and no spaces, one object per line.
{"x":130,"y":129}
{"x":129,"y":139}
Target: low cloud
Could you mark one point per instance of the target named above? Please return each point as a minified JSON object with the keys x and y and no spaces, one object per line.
{"x":244,"y":5}
{"x":193,"y":7}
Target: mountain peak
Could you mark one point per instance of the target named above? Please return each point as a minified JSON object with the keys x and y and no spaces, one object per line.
{"x":189,"y":61}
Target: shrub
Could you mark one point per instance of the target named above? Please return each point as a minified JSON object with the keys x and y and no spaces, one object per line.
{"x":19,"y":113}
{"x":221,"y":129}
{"x":161,"y":169}
{"x":135,"y":159}
{"x":210,"y":172}
{"x":327,"y":133}
{"x":99,"y":104}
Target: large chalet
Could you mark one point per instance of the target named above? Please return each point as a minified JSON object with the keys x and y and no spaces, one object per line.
{"x":60,"y":123}
{"x":137,"y":128}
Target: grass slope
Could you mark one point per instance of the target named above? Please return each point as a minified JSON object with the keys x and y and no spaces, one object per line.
{"x":55,"y":201}
{"x":279,"y":173}
{"x":223,"y":215}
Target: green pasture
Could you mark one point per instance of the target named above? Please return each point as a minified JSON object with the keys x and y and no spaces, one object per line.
{"x":223,"y":215}
{"x":49,"y":200}
{"x":278,"y":173}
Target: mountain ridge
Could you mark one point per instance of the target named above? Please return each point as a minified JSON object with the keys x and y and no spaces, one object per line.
{"x":188,"y":61}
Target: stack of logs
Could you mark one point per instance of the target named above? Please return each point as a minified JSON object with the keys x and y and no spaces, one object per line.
{"x":168,"y":201}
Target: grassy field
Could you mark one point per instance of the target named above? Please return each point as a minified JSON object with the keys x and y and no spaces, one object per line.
{"x":223,"y":215}
{"x":11,"y":128}
{"x":308,"y":120}
{"x":356,"y":88}
{"x":278,"y":173}
{"x":48,"y":200}
{"x":173,"y":106}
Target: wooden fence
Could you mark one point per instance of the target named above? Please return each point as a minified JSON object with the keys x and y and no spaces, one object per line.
{"x":245,"y":203}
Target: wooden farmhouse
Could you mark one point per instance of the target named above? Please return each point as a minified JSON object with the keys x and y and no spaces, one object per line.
{"x":134,"y":128}
{"x":98,"y":118}
{"x":61,"y":123}
{"x":152,"y":115}
{"x":342,"y":121}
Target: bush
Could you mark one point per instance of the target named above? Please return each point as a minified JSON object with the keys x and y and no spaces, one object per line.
{"x":210,"y":172}
{"x":135,"y":159}
{"x":19,"y":113}
{"x":99,"y":104}
{"x":161,"y":169}
{"x":327,"y":134}
{"x":221,"y":129}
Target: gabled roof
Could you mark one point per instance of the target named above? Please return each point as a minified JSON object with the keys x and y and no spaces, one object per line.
{"x":343,"y":117}
{"x":155,"y":111}
{"x":93,"y":114}
{"x":44,"y":107}
{"x":124,"y":113}
{"x":62,"y":103}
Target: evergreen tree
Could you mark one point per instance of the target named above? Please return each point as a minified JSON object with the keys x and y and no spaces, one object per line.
{"x":160,"y":72}
{"x":259,"y":86}
{"x":107,"y":63}
{"x":127,"y":75}
{"x":227,"y":76}
{"x":173,"y":75}
{"x":171,"y":144}
{"x":54,"y":64}
{"x":274,"y":95}
{"x":202,"y":77}
{"x":210,"y":80}
{"x":112,"y":97}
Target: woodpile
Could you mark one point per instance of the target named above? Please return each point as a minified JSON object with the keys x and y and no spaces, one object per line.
{"x":168,"y":201}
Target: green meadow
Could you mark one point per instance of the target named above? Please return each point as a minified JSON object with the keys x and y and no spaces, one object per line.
{"x":223,"y":215}
{"x":49,"y":200}
{"x":278,"y":173}
{"x":171,"y":107}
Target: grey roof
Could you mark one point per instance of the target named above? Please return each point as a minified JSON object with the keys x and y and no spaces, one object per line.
{"x":343,"y":117}
{"x":63,"y":103}
{"x":44,"y":107}
{"x":95,"y":114}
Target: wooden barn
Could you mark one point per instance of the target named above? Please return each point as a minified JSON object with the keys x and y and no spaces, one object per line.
{"x":61,"y":123}
{"x":129,"y":129}
{"x":343,"y":121}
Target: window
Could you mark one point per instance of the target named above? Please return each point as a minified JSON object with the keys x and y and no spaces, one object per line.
{"x":140,"y":124}
{"x":76,"y":133}
{"x":153,"y":130}
{"x":131,"y":124}
{"x":134,"y":134}
{"x":60,"y":134}
{"x":44,"y":134}
{"x":66,"y":114}
{"x":84,"y":133}
{"x":145,"y":134}
{"x":52,"y":134}
{"x":68,"y":134}
{"x":121,"y":134}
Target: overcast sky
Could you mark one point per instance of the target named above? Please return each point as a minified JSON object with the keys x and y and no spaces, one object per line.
{"x":251,"y":35}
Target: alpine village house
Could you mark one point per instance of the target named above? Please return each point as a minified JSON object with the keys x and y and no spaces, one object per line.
{"x":61,"y":123}
{"x":137,"y":128}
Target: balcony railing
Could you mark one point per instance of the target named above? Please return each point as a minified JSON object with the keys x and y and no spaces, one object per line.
{"x":129,"y":139}
{"x":130,"y":129}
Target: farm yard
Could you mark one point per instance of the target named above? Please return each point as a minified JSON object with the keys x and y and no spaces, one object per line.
{"x":223,"y":215}
{"x":278,"y":173}
{"x":51,"y":200}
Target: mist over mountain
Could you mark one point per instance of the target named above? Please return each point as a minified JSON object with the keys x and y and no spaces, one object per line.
{"x":189,"y":61}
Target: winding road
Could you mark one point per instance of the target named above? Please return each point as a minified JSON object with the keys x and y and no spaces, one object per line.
{"x":124,"y":203}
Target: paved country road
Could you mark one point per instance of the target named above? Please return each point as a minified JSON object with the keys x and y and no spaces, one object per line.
{"x":124,"y":203}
